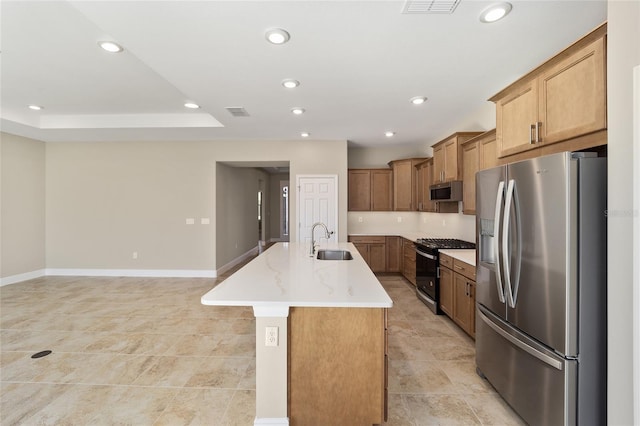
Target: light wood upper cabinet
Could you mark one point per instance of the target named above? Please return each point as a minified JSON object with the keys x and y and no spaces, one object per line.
{"x":470,"y":165}
{"x":562,"y":99}
{"x":447,"y":157}
{"x":425,"y":178}
{"x":405,"y":184}
{"x":573,"y":95}
{"x":487,"y":150}
{"x":478,"y":153}
{"x":438,"y":164}
{"x":370,"y":190}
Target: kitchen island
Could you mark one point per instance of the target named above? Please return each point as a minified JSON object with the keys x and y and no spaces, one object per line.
{"x":320,"y":335}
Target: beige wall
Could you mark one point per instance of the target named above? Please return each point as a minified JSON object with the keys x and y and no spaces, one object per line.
{"x":274,"y":204}
{"x":623,"y":53}
{"x":106,"y":200}
{"x":22,"y":211}
{"x":237,"y":211}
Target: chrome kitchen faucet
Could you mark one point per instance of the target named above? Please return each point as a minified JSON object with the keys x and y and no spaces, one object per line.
{"x":327,"y":233}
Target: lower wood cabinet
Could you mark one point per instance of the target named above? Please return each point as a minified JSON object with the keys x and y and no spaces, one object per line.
{"x":373,"y":250}
{"x":394,"y":254}
{"x":446,"y":291}
{"x":458,"y":292}
{"x":337,"y":361}
{"x":409,"y":260}
{"x":382,"y":253}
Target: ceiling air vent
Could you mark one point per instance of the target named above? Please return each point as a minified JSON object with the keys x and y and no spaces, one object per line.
{"x":429,"y":6}
{"x":237,"y":111}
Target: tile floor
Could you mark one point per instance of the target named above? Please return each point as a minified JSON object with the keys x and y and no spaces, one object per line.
{"x":143,"y":351}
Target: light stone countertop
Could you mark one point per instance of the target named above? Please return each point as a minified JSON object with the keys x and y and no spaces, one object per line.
{"x":465,"y":255}
{"x":285,"y":276}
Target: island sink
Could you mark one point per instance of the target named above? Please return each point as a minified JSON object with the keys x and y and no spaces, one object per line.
{"x":334,"y":255}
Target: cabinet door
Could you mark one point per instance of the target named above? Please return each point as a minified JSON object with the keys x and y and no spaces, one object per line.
{"x":488,"y":156}
{"x":469,"y":169}
{"x":394,"y":254}
{"x":472,"y":308}
{"x":377,"y":257}
{"x":363,"y":249}
{"x":359,"y":190}
{"x":451,"y":160}
{"x":446,"y":291}
{"x":409,"y":261}
{"x":515,"y":113}
{"x":381,"y":190}
{"x":438,"y":164}
{"x":422,"y":188}
{"x":572,"y":95}
{"x":402,"y":185}
{"x":462,"y":311}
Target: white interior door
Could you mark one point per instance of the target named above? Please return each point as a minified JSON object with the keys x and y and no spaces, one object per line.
{"x":317,"y":202}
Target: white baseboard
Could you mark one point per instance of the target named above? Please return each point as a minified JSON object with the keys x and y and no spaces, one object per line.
{"x":224,"y":268}
{"x":22,"y":277}
{"x":283,"y":421}
{"x":160,"y":273}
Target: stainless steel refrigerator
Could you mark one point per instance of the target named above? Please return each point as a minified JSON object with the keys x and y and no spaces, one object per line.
{"x":541,"y":290}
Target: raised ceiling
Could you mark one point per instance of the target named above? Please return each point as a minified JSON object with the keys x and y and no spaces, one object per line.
{"x":358,"y":64}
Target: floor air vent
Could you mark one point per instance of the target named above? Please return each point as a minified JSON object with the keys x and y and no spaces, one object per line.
{"x":237,"y":111}
{"x":429,"y":6}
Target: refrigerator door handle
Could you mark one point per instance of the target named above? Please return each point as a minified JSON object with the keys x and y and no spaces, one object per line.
{"x":496,"y":240}
{"x":520,"y":344}
{"x":511,"y":288}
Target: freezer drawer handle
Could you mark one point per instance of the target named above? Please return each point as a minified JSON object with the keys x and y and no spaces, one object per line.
{"x":528,"y":349}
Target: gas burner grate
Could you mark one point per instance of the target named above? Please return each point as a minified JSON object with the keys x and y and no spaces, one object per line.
{"x":445,"y":243}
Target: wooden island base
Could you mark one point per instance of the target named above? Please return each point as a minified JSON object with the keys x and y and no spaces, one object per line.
{"x":337,"y":362}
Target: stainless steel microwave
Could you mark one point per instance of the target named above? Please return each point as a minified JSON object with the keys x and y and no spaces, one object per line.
{"x":447,"y":191}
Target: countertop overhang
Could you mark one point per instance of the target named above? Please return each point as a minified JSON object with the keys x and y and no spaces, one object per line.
{"x":286,"y":276}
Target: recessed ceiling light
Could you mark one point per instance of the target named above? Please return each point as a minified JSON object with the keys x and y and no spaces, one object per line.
{"x":305,"y":134}
{"x":418,"y":100}
{"x":35,"y":107}
{"x":191,"y":105}
{"x":389,"y":134}
{"x":297,"y":111}
{"x":110,"y":46}
{"x":290,"y":83}
{"x":495,"y":12}
{"x":277,"y":36}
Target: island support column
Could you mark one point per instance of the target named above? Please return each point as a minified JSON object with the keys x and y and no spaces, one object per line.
{"x":271,"y":367}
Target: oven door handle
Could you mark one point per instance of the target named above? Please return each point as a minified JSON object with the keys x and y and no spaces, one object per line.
{"x":428,"y":256}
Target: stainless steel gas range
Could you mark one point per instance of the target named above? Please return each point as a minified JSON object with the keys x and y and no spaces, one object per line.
{"x":428,"y":270}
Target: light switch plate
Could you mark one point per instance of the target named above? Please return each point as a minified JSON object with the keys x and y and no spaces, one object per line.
{"x":204,"y":221}
{"x":190,"y":221}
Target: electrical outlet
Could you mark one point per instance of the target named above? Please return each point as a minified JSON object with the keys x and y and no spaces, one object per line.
{"x":399,"y":219}
{"x":271,"y":336}
{"x":424,"y":219}
{"x":444,"y":223}
{"x":190,"y":221}
{"x":134,"y":255}
{"x":359,"y":218}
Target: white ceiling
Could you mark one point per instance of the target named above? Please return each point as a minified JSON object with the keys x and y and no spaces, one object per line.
{"x":358,"y":62}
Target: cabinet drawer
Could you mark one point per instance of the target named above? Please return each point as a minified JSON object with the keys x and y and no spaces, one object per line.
{"x":446,"y":261}
{"x":367,"y":239}
{"x":464,"y":269}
